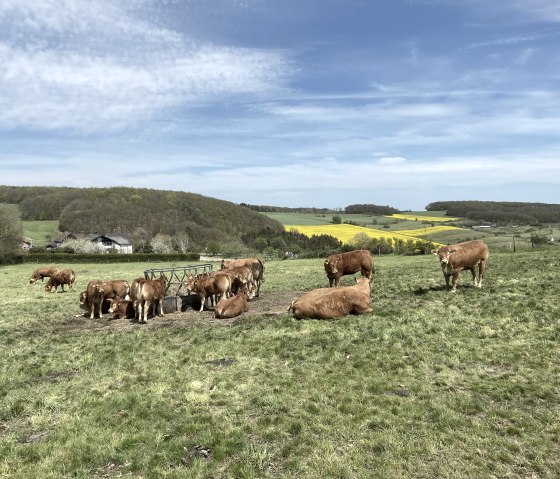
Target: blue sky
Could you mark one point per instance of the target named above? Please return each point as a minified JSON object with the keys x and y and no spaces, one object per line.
{"x":319,"y":103}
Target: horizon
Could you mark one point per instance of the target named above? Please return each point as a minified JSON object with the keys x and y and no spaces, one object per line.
{"x":394,"y":103}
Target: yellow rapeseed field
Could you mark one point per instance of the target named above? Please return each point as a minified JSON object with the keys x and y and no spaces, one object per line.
{"x":346,"y":233}
{"x":413,"y":217}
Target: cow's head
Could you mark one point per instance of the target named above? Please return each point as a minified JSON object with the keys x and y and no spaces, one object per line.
{"x":331,"y":265}
{"x":444,"y":254}
{"x":83,"y":300}
{"x":113,"y":305}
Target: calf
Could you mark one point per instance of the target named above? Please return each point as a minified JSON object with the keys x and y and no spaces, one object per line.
{"x":60,"y":278}
{"x":112,"y":289}
{"x":240,"y":277}
{"x":151,"y":291}
{"x":122,"y":308}
{"x":41,"y":273}
{"x":256,"y":265}
{"x":213,"y":286}
{"x":338,"y":265}
{"x":326,"y":303}
{"x":232,"y":306}
{"x":458,"y":257}
{"x":92,"y":299}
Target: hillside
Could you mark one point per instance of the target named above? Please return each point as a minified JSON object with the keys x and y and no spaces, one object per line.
{"x":501,"y":212}
{"x":138,"y":212}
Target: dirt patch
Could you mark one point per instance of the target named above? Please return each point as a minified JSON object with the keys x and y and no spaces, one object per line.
{"x":269,"y":305}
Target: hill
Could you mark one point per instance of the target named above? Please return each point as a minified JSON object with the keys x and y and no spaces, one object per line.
{"x":501,"y":212}
{"x":142,"y":213}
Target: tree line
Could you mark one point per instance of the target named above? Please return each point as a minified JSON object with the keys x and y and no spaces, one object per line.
{"x":500,"y":212}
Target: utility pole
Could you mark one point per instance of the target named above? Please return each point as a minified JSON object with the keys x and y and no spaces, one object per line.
{"x":513,"y":243}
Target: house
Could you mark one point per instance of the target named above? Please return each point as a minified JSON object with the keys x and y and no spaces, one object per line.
{"x":111,"y":242}
{"x":117,"y":242}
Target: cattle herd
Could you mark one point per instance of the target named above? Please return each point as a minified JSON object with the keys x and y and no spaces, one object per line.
{"x":229,"y":290}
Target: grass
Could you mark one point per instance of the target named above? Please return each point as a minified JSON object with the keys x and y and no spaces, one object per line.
{"x":429,"y":385}
{"x":41,"y":232}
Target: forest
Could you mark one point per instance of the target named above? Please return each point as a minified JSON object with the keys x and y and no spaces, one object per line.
{"x":500,"y":212}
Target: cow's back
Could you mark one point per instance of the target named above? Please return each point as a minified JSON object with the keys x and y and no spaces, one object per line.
{"x":468,"y":254}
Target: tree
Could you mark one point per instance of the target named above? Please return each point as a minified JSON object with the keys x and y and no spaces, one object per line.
{"x":162,"y":244}
{"x":336,"y":219}
{"x":11,"y":235}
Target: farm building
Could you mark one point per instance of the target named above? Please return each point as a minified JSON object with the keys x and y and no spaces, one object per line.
{"x":109,"y":242}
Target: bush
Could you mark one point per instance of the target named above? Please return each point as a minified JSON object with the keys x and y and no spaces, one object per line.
{"x":107,"y":258}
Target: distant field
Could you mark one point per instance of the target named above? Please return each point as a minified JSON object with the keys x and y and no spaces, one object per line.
{"x":346,"y":233}
{"x":40,"y":231}
{"x":436,"y":216}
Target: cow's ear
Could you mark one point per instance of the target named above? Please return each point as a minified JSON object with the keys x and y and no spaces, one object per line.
{"x":435,"y":251}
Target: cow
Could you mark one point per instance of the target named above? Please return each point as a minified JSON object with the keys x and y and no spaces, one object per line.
{"x":458,"y":257}
{"x":41,"y":273}
{"x":122,"y":308}
{"x":327,"y":303}
{"x":215,"y":286}
{"x":60,"y":278}
{"x":338,"y":265}
{"x":92,"y":299}
{"x":240,"y":277}
{"x":135,"y":289}
{"x":232,"y":306}
{"x":150,"y":292}
{"x":112,"y":289}
{"x":256,"y":265}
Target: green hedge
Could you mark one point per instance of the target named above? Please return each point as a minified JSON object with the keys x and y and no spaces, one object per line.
{"x":47,"y":257}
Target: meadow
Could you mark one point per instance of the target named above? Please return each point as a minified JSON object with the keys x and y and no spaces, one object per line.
{"x":430,"y":384}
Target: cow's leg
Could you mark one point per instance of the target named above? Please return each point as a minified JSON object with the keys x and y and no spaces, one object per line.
{"x":481,"y":267}
{"x":473,"y":272}
{"x":146,"y":308}
{"x":454,"y":281}
{"x":447,"y":277}
{"x":202,"y":301}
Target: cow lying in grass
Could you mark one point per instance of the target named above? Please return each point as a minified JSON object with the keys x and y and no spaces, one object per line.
{"x":458,"y":257}
{"x":326,"y":303}
{"x":233,"y":306}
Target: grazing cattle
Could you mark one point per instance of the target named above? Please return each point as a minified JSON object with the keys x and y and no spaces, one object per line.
{"x":458,"y":257}
{"x":122,"y":308}
{"x":215,"y":286}
{"x":41,"y":273}
{"x":232,"y":306}
{"x":151,"y":292}
{"x":256,"y":265}
{"x":326,"y":303}
{"x":338,"y":265}
{"x":60,"y":278}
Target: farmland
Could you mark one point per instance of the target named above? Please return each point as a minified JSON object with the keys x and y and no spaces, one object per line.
{"x":428,"y":385}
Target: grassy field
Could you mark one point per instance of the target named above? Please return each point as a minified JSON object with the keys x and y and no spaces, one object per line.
{"x":428,"y":385}
{"x":41,"y":232}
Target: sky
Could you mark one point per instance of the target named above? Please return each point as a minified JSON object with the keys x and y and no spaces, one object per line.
{"x":315,"y":103}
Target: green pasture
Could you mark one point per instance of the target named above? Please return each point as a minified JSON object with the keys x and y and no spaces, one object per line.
{"x":430,"y":384}
{"x":41,"y":232}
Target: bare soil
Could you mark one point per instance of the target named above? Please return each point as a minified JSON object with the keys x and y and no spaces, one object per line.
{"x":269,"y":305}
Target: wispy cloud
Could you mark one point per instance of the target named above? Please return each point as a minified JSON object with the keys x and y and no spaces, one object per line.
{"x":101,"y":68}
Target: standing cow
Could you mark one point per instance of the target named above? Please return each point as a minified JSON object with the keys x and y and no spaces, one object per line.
{"x":326,"y":303}
{"x":256,"y":265}
{"x":338,"y":265}
{"x":60,"y":278}
{"x":457,"y":257}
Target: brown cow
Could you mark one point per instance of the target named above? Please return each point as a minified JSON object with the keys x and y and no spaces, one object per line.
{"x":232,"y":306}
{"x":326,"y":303}
{"x":151,"y":291}
{"x":256,"y":265}
{"x":92,"y":299}
{"x":41,"y":273}
{"x":240,"y":277}
{"x":122,"y":308}
{"x":457,"y":257}
{"x":60,"y":278}
{"x":112,"y":289}
{"x":215,"y":286}
{"x":338,"y":265}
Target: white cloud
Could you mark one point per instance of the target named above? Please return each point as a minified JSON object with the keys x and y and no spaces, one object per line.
{"x":107,"y":69}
